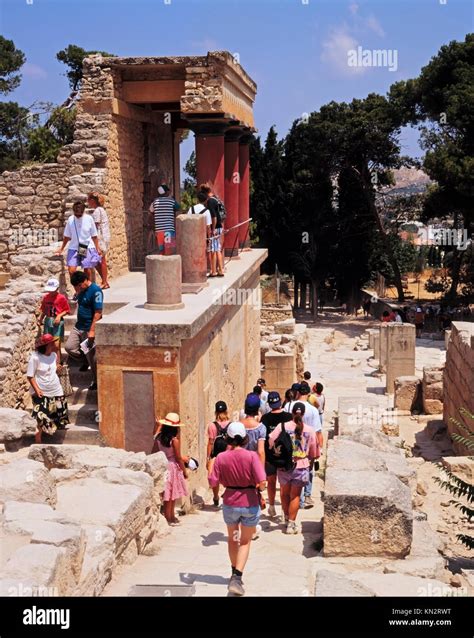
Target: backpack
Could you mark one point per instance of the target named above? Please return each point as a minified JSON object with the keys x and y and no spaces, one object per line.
{"x":281,"y":454}
{"x":220,"y":443}
{"x":221,"y":209}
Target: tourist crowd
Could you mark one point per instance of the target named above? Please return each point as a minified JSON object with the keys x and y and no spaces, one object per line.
{"x":272,"y":440}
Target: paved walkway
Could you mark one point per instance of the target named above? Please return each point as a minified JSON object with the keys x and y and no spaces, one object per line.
{"x":279,"y":565}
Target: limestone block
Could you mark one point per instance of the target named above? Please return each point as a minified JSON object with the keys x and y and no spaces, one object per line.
{"x":71,"y":537}
{"x":330,"y":583}
{"x":156,"y":465}
{"x":461,"y":466}
{"x":55,"y":456}
{"x":285,"y":327}
{"x":122,"y":476}
{"x":356,"y":412}
{"x":432,"y":375}
{"x":98,"y":561}
{"x":44,"y":566}
{"x":26,"y":480}
{"x":366,"y":513}
{"x":15,"y":424}
{"x":16,"y":512}
{"x":345,"y":454}
{"x":432,"y":406}
{"x":124,"y":512}
{"x":61,"y":476}
{"x":406,"y":392}
{"x":374,"y":439}
{"x":426,"y":543}
{"x":401,"y":585}
{"x":424,"y":567}
{"x":433,"y":391}
{"x":134,"y":462}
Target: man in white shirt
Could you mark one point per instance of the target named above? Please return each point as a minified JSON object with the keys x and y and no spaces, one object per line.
{"x":202,"y":209}
{"x":311,"y":417}
{"x":81,"y":234}
{"x":262,"y":384}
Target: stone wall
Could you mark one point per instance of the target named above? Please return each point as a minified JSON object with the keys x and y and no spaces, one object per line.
{"x":31,"y":209}
{"x":123,"y":189}
{"x":459,"y":381}
{"x":271,"y":313}
{"x":18,"y":329}
{"x":86,"y":511}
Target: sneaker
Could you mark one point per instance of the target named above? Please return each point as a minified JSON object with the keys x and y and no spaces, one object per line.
{"x":235,"y":585}
{"x":308,"y":502}
{"x":215,"y":502}
{"x":291,"y":528}
{"x":271,"y":511}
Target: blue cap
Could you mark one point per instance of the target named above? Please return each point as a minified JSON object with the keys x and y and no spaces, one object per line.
{"x":274,"y":400}
{"x":252,"y":402}
{"x":296,"y":387}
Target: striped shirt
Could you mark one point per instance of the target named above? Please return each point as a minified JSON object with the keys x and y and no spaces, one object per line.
{"x":163,"y":212}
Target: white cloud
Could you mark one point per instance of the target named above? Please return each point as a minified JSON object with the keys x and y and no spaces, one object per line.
{"x":33,"y":71}
{"x":374,"y":25}
{"x":353,"y":8}
{"x":336,"y":50}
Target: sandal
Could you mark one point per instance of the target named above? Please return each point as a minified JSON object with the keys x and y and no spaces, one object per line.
{"x":215,"y":275}
{"x":105,"y":287}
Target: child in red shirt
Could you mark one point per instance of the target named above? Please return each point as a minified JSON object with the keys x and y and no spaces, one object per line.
{"x":54,"y":307}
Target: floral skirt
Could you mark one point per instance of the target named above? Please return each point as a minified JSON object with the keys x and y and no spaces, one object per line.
{"x":175,"y":486}
{"x":50,"y":413}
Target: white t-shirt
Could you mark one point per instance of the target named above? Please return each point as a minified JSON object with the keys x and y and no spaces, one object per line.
{"x":321,"y":400}
{"x":197,"y":211}
{"x":86,"y":229}
{"x":43,"y":368}
{"x":311,"y":414}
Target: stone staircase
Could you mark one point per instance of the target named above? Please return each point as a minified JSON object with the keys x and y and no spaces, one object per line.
{"x":83,"y":409}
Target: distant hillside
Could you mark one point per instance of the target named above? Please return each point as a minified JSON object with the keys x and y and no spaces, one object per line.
{"x":408,"y":181}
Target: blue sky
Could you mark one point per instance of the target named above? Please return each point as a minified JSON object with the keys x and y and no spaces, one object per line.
{"x":295,"y":50}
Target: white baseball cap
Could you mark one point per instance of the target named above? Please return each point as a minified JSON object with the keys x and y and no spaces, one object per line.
{"x":236,"y":429}
{"x":51,"y":285}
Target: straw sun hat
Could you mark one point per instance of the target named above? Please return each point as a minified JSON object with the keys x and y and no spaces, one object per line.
{"x":172,"y":419}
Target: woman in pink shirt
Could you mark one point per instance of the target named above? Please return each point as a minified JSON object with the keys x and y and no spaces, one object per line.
{"x":305,"y":449}
{"x":241,"y":473}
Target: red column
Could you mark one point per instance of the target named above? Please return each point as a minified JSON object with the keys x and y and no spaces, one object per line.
{"x":210,"y":161}
{"x":232,"y":193}
{"x":244,"y":190}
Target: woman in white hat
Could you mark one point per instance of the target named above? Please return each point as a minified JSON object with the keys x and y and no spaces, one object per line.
{"x":168,"y":442}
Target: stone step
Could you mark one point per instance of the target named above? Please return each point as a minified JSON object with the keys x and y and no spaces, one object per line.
{"x":76,"y":434}
{"x":83,"y":414}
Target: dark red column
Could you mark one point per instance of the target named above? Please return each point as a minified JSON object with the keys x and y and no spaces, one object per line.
{"x":232,"y":191}
{"x":210,"y":160}
{"x":244,"y":189}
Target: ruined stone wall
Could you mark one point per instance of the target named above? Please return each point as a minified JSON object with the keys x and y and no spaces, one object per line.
{"x":272,"y":313}
{"x":124,"y":192}
{"x":459,"y":381}
{"x":18,"y":302}
{"x":31,"y":209}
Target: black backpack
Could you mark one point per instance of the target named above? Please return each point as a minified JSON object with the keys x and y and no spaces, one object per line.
{"x":281,"y":454}
{"x":221,"y":209}
{"x":220,"y":442}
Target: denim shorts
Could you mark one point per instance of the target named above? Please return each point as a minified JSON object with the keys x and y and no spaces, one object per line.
{"x":246,"y":516}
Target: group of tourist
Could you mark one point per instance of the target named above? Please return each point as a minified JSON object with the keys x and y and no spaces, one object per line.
{"x":273,"y":440}
{"x":165,"y":208}
{"x":438,"y":317}
{"x":46,"y":373}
